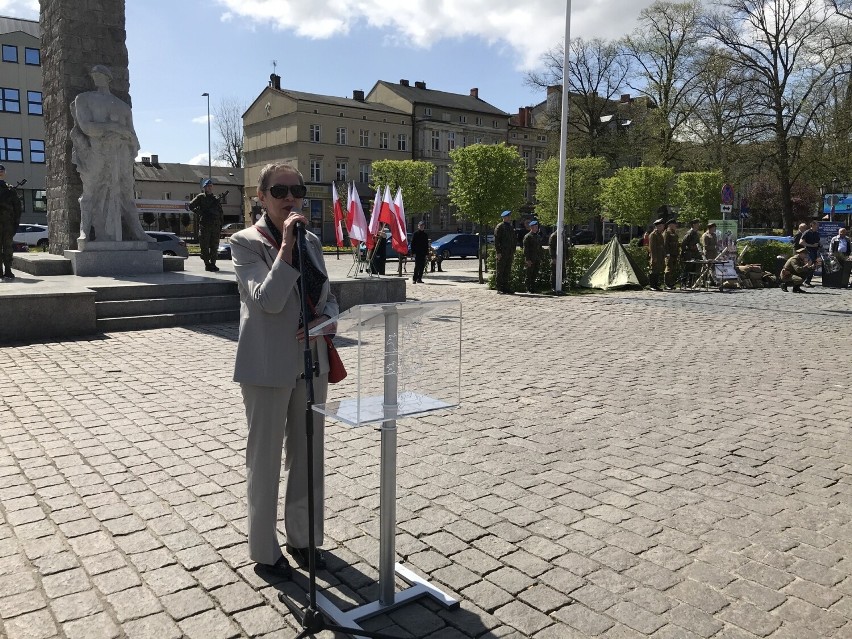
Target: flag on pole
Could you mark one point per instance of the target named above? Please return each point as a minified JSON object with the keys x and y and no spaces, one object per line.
{"x":399,"y":241}
{"x":386,"y":214}
{"x":338,"y":215}
{"x":374,"y":219}
{"x":357,"y":223}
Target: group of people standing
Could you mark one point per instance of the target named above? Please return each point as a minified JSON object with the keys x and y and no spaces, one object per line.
{"x":505,"y":243}
{"x":665,"y":249}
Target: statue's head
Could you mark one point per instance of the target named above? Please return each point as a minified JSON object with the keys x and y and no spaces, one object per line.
{"x":100,"y":73}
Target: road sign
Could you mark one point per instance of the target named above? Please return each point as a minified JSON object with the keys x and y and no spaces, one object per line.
{"x":727,"y":194}
{"x":726,"y":208}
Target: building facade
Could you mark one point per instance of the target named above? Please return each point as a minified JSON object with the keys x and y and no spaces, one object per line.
{"x":22,"y":137}
{"x":529,"y":133}
{"x":326,"y":138}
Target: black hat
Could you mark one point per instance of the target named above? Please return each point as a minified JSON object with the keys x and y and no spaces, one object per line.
{"x":695,"y":221}
{"x":672,"y":221}
{"x":659,"y":221}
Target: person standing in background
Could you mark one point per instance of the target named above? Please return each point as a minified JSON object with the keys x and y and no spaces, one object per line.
{"x":208,"y":208}
{"x":420,"y":249}
{"x":504,"y":247}
{"x":10,"y":217}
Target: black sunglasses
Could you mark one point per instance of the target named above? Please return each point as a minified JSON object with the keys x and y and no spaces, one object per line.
{"x":279,"y":191}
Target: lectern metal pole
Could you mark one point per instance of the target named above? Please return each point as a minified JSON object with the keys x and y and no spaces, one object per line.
{"x":387,"y":495}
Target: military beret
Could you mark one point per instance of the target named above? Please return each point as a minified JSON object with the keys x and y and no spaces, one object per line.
{"x":205,"y":182}
{"x":659,"y":221}
{"x":505,"y":214}
{"x":672,"y":221}
{"x":533,"y":222}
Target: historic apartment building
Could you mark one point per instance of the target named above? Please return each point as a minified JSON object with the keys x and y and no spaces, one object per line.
{"x":22,"y":136}
{"x":528,"y":131}
{"x":326,"y":138}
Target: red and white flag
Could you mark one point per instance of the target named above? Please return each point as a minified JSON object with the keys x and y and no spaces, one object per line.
{"x":375,"y":223}
{"x":338,"y":215}
{"x":389,"y":216}
{"x":401,"y":238}
{"x":356,"y":222}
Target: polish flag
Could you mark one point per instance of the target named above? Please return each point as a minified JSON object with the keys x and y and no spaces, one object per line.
{"x":338,"y":215}
{"x":358,"y":225}
{"x":401,"y":237}
{"x":389,"y":216}
{"x":375,"y":224}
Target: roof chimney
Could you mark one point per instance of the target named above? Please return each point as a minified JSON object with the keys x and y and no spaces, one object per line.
{"x":403,"y":83}
{"x":358,"y":96}
{"x":625,"y":97}
{"x":474,"y":92}
{"x":155,"y":160}
{"x":146,"y":160}
{"x":275,"y":81}
{"x":554,"y":88}
{"x":420,"y":85}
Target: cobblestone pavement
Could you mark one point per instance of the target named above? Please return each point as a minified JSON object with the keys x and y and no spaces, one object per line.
{"x":636,"y":464}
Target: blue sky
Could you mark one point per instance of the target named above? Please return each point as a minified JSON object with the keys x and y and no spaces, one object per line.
{"x":179,"y":49}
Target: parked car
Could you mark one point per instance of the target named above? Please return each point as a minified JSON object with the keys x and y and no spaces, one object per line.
{"x":390,"y":251}
{"x":583,"y":237}
{"x":224,"y":251}
{"x":456,"y":245}
{"x":32,"y":234}
{"x":763,"y":239}
{"x":169,"y":243}
{"x":19,"y":247}
{"x":229,"y":229}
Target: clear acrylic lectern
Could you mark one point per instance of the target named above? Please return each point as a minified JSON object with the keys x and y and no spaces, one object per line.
{"x":408,"y":364}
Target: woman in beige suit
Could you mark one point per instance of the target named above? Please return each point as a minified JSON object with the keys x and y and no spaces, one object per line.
{"x":269,"y":364}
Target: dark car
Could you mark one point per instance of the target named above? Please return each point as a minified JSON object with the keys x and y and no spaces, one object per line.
{"x":583,"y":237}
{"x":763,"y":239}
{"x":456,"y":245}
{"x":390,"y":251}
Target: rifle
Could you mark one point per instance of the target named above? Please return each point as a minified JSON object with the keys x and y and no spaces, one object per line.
{"x":221,"y":197}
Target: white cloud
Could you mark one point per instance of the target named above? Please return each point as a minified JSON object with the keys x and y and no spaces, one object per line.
{"x":529,"y":28}
{"x":24,"y":9}
{"x":201,"y":160}
{"x":202,"y":119}
{"x":158,"y":120}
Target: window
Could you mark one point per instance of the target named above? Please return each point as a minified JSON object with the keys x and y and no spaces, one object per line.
{"x":463,"y":119}
{"x":39,"y":201}
{"x":10,"y":100}
{"x":315,"y":132}
{"x":37,"y":152}
{"x":478,"y":121}
{"x":11,"y":150}
{"x":427,"y":111}
{"x":34,"y":104}
{"x":364,"y":172}
{"x":464,"y":140}
{"x":341,"y":171}
{"x":539,"y":156}
{"x":316,"y":170}
{"x":10,"y":53}
{"x":364,"y":137}
{"x":383,"y":140}
{"x":526,"y":156}
{"x":477,"y":139}
{"x":32,"y":56}
{"x":402,"y":142}
{"x":542,"y":138}
{"x":167,"y":195}
{"x":494,"y":123}
{"x":341,"y":135}
{"x":436,"y":140}
{"x":451,"y":140}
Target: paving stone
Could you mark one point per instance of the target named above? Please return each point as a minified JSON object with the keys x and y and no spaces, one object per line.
{"x":526,"y":619}
{"x":583,"y":619}
{"x":212,"y":624}
{"x":186,"y":603}
{"x":32,"y":625}
{"x":544,"y":599}
{"x":157,"y":626}
{"x":98,"y":626}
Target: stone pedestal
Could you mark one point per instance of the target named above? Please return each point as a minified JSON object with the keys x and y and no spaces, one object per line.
{"x":114,"y":258}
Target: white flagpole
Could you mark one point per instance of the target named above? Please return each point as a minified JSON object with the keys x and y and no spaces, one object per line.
{"x":563,"y":152}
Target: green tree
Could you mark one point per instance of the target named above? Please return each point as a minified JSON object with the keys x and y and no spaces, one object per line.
{"x":697,"y":194}
{"x":486,"y":179}
{"x":582,"y":188}
{"x":412,"y":176}
{"x":633,"y":195}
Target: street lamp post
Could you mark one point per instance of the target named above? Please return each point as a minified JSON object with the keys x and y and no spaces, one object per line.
{"x":833,"y":198}
{"x":209,"y":154}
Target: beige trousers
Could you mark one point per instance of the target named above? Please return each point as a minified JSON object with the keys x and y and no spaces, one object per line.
{"x":276,"y":422}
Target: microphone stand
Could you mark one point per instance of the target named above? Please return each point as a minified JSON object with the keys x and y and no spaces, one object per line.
{"x":311,"y":618}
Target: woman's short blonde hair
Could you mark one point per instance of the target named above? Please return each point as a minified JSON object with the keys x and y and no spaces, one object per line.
{"x":267,"y":172}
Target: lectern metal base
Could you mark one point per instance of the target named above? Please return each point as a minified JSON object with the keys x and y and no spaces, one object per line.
{"x":419,"y":588}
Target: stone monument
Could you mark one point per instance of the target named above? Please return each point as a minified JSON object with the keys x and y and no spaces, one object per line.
{"x":75,"y":37}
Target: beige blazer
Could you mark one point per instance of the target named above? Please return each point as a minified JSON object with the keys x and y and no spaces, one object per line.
{"x":268,"y":353}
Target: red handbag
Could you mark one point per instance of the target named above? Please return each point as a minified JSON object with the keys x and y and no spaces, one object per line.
{"x":336,"y":369}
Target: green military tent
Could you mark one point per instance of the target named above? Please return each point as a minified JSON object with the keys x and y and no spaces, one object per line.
{"x":613,"y":268}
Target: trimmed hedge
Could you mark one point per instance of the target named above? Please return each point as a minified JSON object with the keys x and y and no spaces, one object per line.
{"x":766,"y":255}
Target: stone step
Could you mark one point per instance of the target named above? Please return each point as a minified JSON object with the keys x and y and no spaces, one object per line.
{"x":165,"y":320}
{"x":149,"y":291}
{"x":165,"y":305}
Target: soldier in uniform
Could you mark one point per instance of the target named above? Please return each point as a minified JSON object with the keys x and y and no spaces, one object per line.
{"x":710,"y":243}
{"x":797,"y":270}
{"x":504,"y":246}
{"x":672,"y":245}
{"x":10,"y":216}
{"x":532,"y":256}
{"x":657,"y":254}
{"x":690,"y":250}
{"x":208,"y":208}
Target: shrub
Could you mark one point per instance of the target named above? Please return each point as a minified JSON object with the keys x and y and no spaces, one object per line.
{"x":766,"y":255}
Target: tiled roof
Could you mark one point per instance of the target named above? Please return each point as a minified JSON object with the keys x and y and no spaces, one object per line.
{"x":11,"y":25}
{"x":189,"y":173}
{"x":433,"y":97}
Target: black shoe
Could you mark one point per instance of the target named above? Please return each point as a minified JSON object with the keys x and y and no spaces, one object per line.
{"x":9,"y":275}
{"x":214,"y":268}
{"x":279,"y":570}
{"x":301,"y":557}
{"x":784,"y":288}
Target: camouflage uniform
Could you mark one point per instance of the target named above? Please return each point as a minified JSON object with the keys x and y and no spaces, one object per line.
{"x":672,"y":246}
{"x":504,"y":246}
{"x":657,"y":254}
{"x":796,"y":271}
{"x":210,"y":215}
{"x":532,"y":254}
{"x":10,"y":216}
